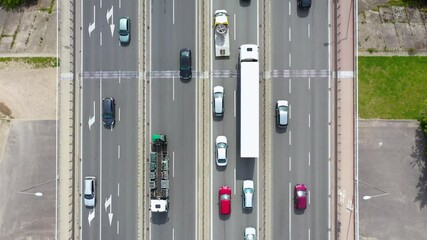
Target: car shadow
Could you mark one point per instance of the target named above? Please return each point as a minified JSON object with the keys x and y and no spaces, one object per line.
{"x":159,"y":218}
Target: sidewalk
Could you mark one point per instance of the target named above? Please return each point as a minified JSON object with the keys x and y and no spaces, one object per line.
{"x":344,"y":121}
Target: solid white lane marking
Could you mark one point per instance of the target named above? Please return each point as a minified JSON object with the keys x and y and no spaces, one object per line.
{"x":289,"y":8}
{"x":173,"y":88}
{"x":118,"y":189}
{"x":100,"y":157}
{"x":309,"y":197}
{"x":120,"y":114}
{"x":290,"y":164}
{"x":118,"y":227}
{"x":100,"y":3}
{"x":234,"y":103}
{"x":309,"y":160}
{"x":309,"y":237}
{"x":290,"y":86}
{"x":118,"y":152}
{"x":308,"y":30}
{"x":100,"y":38}
{"x":120,"y":3}
{"x":309,"y":82}
{"x":290,"y":138}
{"x":290,"y":210}
{"x":235,"y":27}
{"x":290,"y":62}
{"x":173,"y":233}
{"x":290,"y":34}
{"x":234,"y":180}
{"x":173,"y":11}
{"x":173,"y":164}
{"x":309,"y":120}
{"x":290,"y":111}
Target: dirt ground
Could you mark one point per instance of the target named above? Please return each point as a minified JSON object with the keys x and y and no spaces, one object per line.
{"x":25,"y":94}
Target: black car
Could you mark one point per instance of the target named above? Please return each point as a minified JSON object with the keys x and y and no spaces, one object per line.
{"x":185,"y":64}
{"x":108,"y":111}
{"x":304,"y":4}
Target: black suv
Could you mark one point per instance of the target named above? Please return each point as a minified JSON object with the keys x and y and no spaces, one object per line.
{"x":108,"y":111}
{"x":185,"y":64}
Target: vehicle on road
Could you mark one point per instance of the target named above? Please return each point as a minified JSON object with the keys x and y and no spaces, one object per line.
{"x":159,"y":174}
{"x":300,"y":196}
{"x":185,"y":64}
{"x":249,"y":101}
{"x":224,"y":194}
{"x":248,"y":194}
{"x":304,"y":4}
{"x":89,"y":191}
{"x":108,"y":112}
{"x":221,"y":151}
{"x":124,"y":30}
{"x":249,"y":233}
{"x":282,"y":113}
{"x":218,"y":101}
{"x":222,"y":38}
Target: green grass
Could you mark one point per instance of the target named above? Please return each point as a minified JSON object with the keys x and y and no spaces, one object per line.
{"x":420,"y":4}
{"x":36,"y":62}
{"x":392,"y":87}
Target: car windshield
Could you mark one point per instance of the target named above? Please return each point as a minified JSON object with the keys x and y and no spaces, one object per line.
{"x":283,"y":108}
{"x":88,"y":196}
{"x":248,"y":190}
{"x":107,"y":116}
{"x":225,"y":197}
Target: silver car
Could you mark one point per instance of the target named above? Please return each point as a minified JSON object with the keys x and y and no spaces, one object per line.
{"x":282,"y":113}
{"x":124,"y":30}
{"x":221,"y":151}
{"x":89,"y":191}
{"x":218,"y":101}
{"x":248,"y":194}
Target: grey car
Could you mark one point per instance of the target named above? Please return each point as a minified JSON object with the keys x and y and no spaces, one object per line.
{"x":89,"y":191}
{"x":282,"y":113}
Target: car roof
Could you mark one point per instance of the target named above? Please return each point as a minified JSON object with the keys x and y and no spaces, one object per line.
{"x":122,"y":23}
{"x":221,"y":139}
{"x":218,"y":89}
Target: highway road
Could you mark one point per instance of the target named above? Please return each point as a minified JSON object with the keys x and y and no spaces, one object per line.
{"x":243,"y":19}
{"x":299,"y":57}
{"x":173,"y":112}
{"x":109,"y":70}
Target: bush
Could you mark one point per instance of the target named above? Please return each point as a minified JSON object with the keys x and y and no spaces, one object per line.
{"x":12,"y":4}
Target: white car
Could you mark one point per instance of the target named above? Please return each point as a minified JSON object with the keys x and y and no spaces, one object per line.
{"x":218,"y":101}
{"x":248,"y":193}
{"x":282,"y":113}
{"x":221,"y":151}
{"x":89,"y":191}
{"x":250,"y":233}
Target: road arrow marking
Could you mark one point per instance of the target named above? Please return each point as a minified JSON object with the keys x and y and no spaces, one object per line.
{"x":92,"y":119}
{"x":110,"y":15}
{"x":91,"y":216}
{"x":92,"y":25}
{"x":109,"y":205}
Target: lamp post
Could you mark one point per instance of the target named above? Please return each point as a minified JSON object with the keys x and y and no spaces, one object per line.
{"x":367,"y":197}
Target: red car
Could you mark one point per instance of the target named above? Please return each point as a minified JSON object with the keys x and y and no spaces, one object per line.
{"x":300,"y":192}
{"x":224,"y":194}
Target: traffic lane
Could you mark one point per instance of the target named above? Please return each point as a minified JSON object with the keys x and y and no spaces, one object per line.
{"x":319,"y":159}
{"x":171,"y":31}
{"x":280,"y":161}
{"x":182,"y":146}
{"x":127,"y":157}
{"x":90,"y":147}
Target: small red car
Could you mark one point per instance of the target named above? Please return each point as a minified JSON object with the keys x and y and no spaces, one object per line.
{"x":224,"y":194}
{"x":300,"y":193}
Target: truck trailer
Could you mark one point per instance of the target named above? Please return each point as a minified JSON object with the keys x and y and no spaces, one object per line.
{"x":159,"y":174}
{"x":222,"y":39}
{"x":249,"y":101}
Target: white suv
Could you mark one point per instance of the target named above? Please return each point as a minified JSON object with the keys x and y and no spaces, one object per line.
{"x":218,"y":101}
{"x":89,"y":193}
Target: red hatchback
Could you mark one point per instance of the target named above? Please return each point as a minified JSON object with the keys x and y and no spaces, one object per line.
{"x":300,"y":193}
{"x":225,"y":200}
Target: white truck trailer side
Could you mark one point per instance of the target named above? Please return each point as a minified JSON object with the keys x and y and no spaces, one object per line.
{"x":249,"y":101}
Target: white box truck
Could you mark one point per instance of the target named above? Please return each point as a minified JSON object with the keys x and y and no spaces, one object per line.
{"x":249,"y":101}
{"x":222,"y":39}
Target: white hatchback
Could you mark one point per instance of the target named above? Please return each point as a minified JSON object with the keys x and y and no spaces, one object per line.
{"x":221,"y":151}
{"x":248,"y":193}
